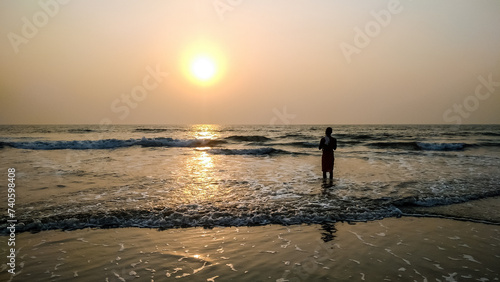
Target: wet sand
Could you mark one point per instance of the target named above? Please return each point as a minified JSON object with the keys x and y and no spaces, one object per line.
{"x":404,"y":249}
{"x":483,"y":210}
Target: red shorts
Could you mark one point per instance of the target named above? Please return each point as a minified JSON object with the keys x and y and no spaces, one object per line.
{"x":327,"y":160}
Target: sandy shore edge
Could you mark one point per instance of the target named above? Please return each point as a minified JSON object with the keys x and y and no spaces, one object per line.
{"x":390,"y":249}
{"x":483,"y":210}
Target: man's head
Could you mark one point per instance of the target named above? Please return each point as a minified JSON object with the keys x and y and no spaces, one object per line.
{"x":328,"y":131}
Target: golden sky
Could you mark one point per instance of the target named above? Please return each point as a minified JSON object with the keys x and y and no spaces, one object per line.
{"x":262,"y":62}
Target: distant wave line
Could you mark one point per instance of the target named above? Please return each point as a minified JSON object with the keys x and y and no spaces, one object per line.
{"x":112,"y":144}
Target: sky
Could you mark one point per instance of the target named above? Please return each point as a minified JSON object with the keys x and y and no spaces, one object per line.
{"x":273,"y":62}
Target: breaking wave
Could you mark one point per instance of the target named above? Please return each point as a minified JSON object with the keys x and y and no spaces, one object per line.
{"x":80,"y":130}
{"x":150,"y":130}
{"x":302,"y":211}
{"x":256,"y":152}
{"x":207,"y":216}
{"x":112,"y":144}
{"x":250,"y":138}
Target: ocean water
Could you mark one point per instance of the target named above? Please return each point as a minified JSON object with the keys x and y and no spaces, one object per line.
{"x":164,"y":176}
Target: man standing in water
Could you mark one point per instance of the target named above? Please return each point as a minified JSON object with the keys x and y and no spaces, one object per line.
{"x":328,"y":144}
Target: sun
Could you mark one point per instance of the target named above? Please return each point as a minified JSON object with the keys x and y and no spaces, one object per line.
{"x":203,"y":68}
{"x":203,"y":63}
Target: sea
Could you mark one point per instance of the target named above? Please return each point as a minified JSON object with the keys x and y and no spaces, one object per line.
{"x":168,"y":176}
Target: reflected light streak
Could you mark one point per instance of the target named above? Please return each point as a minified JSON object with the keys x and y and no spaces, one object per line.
{"x":203,"y":183}
{"x":205,"y":131}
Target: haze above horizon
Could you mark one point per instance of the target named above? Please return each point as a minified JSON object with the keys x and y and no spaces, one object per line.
{"x":250,"y":62}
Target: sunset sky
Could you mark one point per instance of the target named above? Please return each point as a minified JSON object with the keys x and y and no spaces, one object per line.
{"x":249,"y":62}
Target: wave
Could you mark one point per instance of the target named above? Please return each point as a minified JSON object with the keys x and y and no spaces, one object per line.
{"x":170,"y":142}
{"x":112,"y":144}
{"x":239,"y":214}
{"x":80,"y":130}
{"x":490,"y":144}
{"x":294,"y":135}
{"x":491,"y":133}
{"x":411,"y":145}
{"x":150,"y":130}
{"x":343,"y":143}
{"x":432,"y":201}
{"x":248,"y":138}
{"x":255,"y":152}
{"x":303,"y":210}
{"x":363,"y":137}
{"x":442,"y":146}
{"x":299,"y":144}
{"x":194,"y":215}
{"x":394,"y":145}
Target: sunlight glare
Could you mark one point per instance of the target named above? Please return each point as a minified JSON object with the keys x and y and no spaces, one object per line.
{"x":205,"y":131}
{"x":203,"y":63}
{"x":203,"y":68}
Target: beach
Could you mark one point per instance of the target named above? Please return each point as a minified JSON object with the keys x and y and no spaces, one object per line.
{"x":393,"y":249}
{"x":168,"y":176}
{"x":247,"y":203}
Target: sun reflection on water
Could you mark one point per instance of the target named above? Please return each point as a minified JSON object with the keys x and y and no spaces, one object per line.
{"x":205,"y":131}
{"x":203,"y":182}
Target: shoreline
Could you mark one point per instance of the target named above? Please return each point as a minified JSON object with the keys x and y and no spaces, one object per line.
{"x":393,"y":249}
{"x":480,"y":211}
